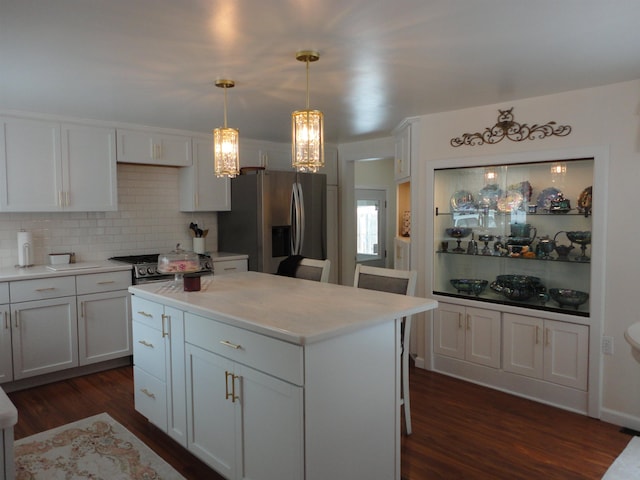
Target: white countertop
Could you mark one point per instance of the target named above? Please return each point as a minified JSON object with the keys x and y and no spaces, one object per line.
{"x":42,"y":271}
{"x":8,"y":412}
{"x":294,"y":310}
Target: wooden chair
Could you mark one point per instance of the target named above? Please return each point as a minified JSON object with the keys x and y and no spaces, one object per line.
{"x":394,"y":281}
{"x":311,"y":269}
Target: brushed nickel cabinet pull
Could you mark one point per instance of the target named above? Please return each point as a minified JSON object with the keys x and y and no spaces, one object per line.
{"x":468,"y":322}
{"x":106,"y":282}
{"x":146,"y":344}
{"x":226,"y":385}
{"x":145,"y":314}
{"x":460,"y":327}
{"x":45,"y":289}
{"x":546,"y":336}
{"x":164,"y":331}
{"x":147,"y":393}
{"x":228,"y":269}
{"x":537,"y":335}
{"x":227,"y":343}
{"x":15,"y":314}
{"x":234,"y":397}
{"x":82,"y":312}
{"x":7,"y":326}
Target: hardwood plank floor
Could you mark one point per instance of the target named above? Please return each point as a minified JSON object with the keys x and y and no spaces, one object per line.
{"x":460,"y":430}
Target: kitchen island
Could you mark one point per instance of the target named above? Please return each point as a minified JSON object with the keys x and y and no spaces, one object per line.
{"x":274,"y":377}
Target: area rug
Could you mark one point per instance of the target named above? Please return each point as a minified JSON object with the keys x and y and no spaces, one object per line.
{"x":98,"y":448}
{"x":627,"y":465}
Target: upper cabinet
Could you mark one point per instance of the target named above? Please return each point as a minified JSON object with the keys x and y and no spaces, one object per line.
{"x":200,"y":189}
{"x":403,"y":149}
{"x":51,"y":166}
{"x":153,"y":147}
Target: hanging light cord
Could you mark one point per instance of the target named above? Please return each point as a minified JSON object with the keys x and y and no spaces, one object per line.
{"x":307,"y":83}
{"x":225,"y":107}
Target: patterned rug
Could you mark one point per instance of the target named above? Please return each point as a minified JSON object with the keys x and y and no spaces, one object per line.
{"x":627,"y":465}
{"x":97,"y":447}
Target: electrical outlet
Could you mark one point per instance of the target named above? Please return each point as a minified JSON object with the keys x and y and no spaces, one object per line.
{"x":607,"y":345}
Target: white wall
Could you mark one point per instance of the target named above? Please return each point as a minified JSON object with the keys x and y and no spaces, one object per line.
{"x":602,"y":118}
{"x":147,"y":221}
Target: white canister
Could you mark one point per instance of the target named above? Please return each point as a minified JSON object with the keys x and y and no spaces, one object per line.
{"x":25,"y":249}
{"x":198,"y":244}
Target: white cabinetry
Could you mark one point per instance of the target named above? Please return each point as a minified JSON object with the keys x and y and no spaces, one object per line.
{"x":244,"y":423}
{"x":104,"y":323}
{"x":200,"y":189}
{"x":402,"y":141}
{"x":467,"y":333}
{"x":159,"y":372}
{"x":52,"y":166}
{"x":550,"y":350}
{"x":153,"y":147}
{"x":44,"y":333}
{"x":6,"y":360}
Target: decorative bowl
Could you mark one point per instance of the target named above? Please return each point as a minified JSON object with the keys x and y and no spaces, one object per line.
{"x":518,"y":287}
{"x":583,"y":238}
{"x":469,"y":285}
{"x":568,"y":297}
{"x":458,"y":232}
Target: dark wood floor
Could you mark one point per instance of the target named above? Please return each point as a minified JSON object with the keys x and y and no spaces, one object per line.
{"x":460,"y":430}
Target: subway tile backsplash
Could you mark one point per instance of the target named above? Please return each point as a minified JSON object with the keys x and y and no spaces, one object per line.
{"x":148,"y":220}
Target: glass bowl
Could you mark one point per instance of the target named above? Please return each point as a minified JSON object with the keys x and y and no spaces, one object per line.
{"x":469,"y":285}
{"x":178,"y":262}
{"x":568,"y":297}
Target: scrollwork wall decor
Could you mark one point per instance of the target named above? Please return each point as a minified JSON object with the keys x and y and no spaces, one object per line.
{"x":514,"y":131}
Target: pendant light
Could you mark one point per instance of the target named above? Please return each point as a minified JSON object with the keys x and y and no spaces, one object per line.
{"x":226,"y":158}
{"x":307,"y":128}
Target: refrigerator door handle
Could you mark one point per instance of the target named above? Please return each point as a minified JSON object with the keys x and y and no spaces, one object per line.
{"x":301,"y":219}
{"x":294,"y":218}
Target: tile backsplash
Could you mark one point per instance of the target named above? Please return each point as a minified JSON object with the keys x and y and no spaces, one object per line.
{"x":148,"y":220}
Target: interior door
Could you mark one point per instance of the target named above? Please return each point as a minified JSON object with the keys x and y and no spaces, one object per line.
{"x":371,"y":214}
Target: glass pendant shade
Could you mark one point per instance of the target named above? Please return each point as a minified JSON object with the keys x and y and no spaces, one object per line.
{"x":226,"y":152}
{"x":308,"y":140}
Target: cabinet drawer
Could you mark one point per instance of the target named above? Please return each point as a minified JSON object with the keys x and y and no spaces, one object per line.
{"x":146,"y":312}
{"x":42,"y":288}
{"x":149,"y":350}
{"x":103,"y":282}
{"x":150,"y":397}
{"x":229,"y":266}
{"x":275,"y":357}
{"x":4,"y":292}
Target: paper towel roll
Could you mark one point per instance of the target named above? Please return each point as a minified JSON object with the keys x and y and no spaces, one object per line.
{"x":25,"y":249}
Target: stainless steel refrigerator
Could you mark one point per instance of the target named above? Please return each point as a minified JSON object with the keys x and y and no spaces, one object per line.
{"x":273,"y":215}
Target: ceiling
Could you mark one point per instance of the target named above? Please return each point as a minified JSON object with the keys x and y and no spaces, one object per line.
{"x":154,"y":62}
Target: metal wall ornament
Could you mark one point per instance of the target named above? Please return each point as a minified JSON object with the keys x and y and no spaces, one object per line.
{"x":514,"y":131}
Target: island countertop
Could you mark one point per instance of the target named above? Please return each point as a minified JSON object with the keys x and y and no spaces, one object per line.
{"x":291,"y":309}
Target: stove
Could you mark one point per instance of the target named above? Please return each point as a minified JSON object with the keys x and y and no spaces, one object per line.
{"x":145,"y":267}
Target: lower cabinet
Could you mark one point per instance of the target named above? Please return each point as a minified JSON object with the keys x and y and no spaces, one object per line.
{"x":6,"y":358}
{"x":467,"y":333}
{"x":546,"y":349}
{"x":159,"y":373}
{"x":44,"y":336}
{"x":249,"y":424}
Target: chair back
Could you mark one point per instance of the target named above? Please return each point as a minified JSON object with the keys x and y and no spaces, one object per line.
{"x":316,"y":270}
{"x":386,"y":279}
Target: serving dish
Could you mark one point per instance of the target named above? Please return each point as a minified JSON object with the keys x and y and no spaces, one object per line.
{"x":518,"y":287}
{"x":568,"y":297}
{"x":513,"y":200}
{"x":462,"y":201}
{"x":469,"y":285}
{"x":546,"y":196}
{"x":585,"y":201}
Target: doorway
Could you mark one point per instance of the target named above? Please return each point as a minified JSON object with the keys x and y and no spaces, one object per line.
{"x":371,"y":214}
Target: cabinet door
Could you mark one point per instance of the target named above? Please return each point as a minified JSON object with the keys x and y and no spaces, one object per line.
{"x":176,"y":377}
{"x":270,"y":405}
{"x":211,"y":413}
{"x":449,"y":330}
{"x":200,"y":189}
{"x":30,"y":165}
{"x":523,"y":345}
{"x":44,"y":336}
{"x":6,"y":362}
{"x":482,"y":339}
{"x":566,"y":353}
{"x":104,"y":326}
{"x":89,"y":168}
{"x":403,"y":153}
{"x":153,"y":148}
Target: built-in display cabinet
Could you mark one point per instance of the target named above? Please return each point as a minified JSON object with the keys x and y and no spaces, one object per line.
{"x":515,"y":234}
{"x":516,"y":272}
